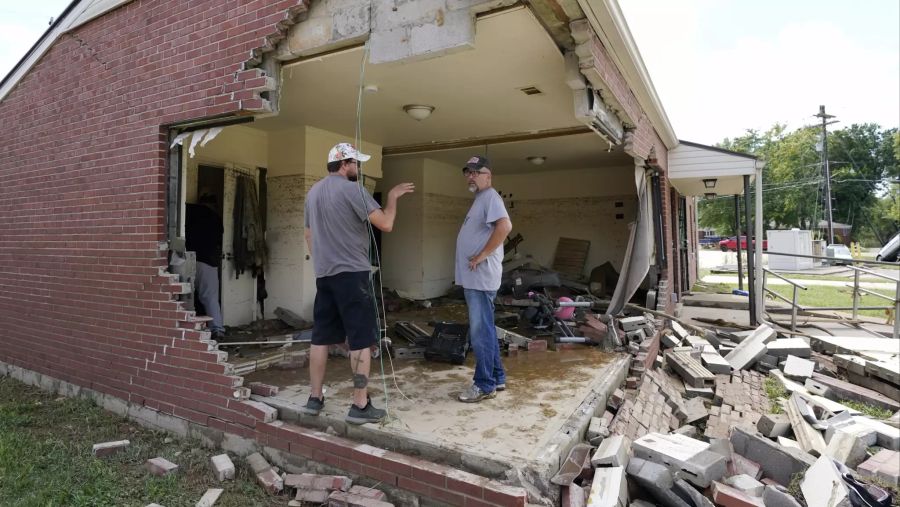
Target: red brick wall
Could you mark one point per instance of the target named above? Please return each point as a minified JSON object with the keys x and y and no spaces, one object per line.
{"x":83,"y":292}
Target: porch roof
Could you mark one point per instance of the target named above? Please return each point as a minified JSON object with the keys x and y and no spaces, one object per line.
{"x":692,"y":163}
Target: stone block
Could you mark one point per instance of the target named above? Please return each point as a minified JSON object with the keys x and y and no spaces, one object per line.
{"x":751,"y":348}
{"x":726,"y":496}
{"x":613,"y":452}
{"x":609,"y":488}
{"x":160,"y":466}
{"x":777,"y":463}
{"x":685,"y":457}
{"x":774,"y":497}
{"x":632,"y":323}
{"x":210,"y":497}
{"x":223,"y":467}
{"x":798,"y":368}
{"x":656,"y":480}
{"x":784,"y":347}
{"x":746,"y":484}
{"x":109,"y":448}
{"x":847,"y":448}
{"x":884,"y":465}
{"x":715,"y":363}
{"x":774,"y":425}
{"x":839,"y":389}
{"x":270,"y":481}
{"x":823,"y":486}
{"x":257,"y":463}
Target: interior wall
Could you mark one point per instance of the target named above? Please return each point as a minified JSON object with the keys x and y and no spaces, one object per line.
{"x":447,"y":200}
{"x":592,"y":204}
{"x":402,"y":259}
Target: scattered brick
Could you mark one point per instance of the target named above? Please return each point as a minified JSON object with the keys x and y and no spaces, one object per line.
{"x":270,"y":481}
{"x":161,"y":466}
{"x":109,"y":448}
{"x":223,"y":467}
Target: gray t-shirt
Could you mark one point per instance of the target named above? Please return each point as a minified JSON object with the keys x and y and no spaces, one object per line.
{"x":479,"y":224}
{"x":336,"y":211}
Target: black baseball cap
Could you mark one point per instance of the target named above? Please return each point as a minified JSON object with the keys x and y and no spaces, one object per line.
{"x":477,"y":163}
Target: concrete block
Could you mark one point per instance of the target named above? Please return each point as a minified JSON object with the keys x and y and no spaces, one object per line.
{"x":789,"y":442}
{"x":160,"y":466}
{"x":686,"y":457}
{"x":573,"y":496}
{"x":670,"y":341}
{"x":632,"y":323}
{"x":727,"y":496}
{"x":777,"y":463}
{"x":823,"y":486}
{"x":689,"y":369}
{"x":784,"y":347}
{"x":746,"y":484}
{"x":886,"y":436}
{"x":715,"y":363}
{"x":109,"y":448}
{"x":609,"y":488}
{"x":656,"y":480}
{"x":613,"y":452}
{"x":270,"y":481}
{"x":741,"y":465}
{"x":798,"y":368}
{"x":312,"y":496}
{"x":838,"y":389}
{"x":223,"y":467}
{"x":774,"y":425}
{"x":210,"y":497}
{"x":847,"y":448}
{"x":690,"y":494}
{"x":751,"y":348}
{"x":686,"y":430}
{"x":680,"y":331}
{"x":774,"y":497}
{"x":257,"y":463}
{"x":695,"y":411}
{"x":884,"y":465}
{"x":345,"y":499}
{"x":864,"y":433}
{"x":597,"y":430}
{"x":701,"y":392}
{"x":809,"y":438}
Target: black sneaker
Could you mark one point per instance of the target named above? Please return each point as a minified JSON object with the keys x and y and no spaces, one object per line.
{"x":369,"y":414}
{"x":313,"y":405}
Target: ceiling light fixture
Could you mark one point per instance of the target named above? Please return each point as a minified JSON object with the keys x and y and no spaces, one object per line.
{"x":709,"y":183}
{"x":372,"y":88}
{"x":417,"y":111}
{"x":537,"y":160}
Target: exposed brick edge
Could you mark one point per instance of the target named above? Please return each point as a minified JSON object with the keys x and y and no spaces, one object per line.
{"x":431,"y":480}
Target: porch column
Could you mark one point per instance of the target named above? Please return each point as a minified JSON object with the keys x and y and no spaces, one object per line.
{"x":760,"y":299}
{"x":737,"y":234}
{"x":751,"y":278}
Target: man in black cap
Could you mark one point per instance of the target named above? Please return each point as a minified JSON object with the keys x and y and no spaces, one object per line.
{"x":479,"y":257}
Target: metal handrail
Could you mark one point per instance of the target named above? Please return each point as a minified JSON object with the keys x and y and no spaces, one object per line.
{"x":873,"y":273}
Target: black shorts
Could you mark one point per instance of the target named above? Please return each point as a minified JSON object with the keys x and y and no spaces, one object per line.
{"x":344,"y":310}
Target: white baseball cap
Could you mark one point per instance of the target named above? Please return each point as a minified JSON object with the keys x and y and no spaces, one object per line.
{"x":344,"y":151}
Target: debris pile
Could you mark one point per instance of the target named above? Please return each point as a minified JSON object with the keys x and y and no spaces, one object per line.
{"x":744,"y":418}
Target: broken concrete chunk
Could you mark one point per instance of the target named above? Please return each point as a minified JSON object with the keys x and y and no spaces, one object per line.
{"x":270,"y":481}
{"x":783,"y":347}
{"x":724,"y":494}
{"x":823,"y":486}
{"x":686,"y":430}
{"x":680,"y":331}
{"x":209,"y":498}
{"x":632,"y":323}
{"x":777,"y":463}
{"x":884,"y":465}
{"x":613,"y":452}
{"x":886,"y":436}
{"x":695,"y":410}
{"x":715,"y":363}
{"x":223,"y":467}
{"x":344,"y":499}
{"x":774,"y":425}
{"x":109,"y":448}
{"x":689,"y":493}
{"x":656,"y":480}
{"x":161,"y":466}
{"x":746,"y":484}
{"x":774,"y":497}
{"x":847,"y":448}
{"x":702,"y":392}
{"x":798,"y":368}
{"x":257,"y":463}
{"x":609,"y":488}
{"x":686,"y":457}
{"x":752,"y":348}
{"x":368,"y":492}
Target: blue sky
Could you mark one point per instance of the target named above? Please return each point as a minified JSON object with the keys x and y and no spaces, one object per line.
{"x":719,"y":66}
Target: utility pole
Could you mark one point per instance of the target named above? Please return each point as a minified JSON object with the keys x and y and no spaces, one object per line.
{"x":825,"y":117}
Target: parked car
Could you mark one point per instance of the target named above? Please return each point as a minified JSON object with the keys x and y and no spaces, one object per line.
{"x":890,"y":252}
{"x":838,"y":254}
{"x":731,"y":244}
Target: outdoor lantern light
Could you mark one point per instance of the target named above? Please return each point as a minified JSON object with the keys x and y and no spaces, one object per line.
{"x":710,"y":195}
{"x":709,"y":183}
{"x":417,"y":111}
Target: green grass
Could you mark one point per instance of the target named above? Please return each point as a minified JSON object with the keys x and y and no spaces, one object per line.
{"x":869,"y":410}
{"x":45,"y":458}
{"x":774,"y":391}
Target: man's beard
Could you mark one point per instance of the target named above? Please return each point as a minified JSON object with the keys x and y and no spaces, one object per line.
{"x":473,"y":188}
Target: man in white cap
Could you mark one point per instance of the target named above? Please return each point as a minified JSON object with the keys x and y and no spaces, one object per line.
{"x":336,"y":212}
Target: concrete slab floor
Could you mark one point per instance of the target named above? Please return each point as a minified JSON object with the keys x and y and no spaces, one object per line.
{"x":543,"y":390}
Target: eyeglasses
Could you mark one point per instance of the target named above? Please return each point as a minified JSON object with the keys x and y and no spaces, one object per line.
{"x":468,"y":173}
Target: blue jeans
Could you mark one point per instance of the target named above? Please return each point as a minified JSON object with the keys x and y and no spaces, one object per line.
{"x":483,"y":335}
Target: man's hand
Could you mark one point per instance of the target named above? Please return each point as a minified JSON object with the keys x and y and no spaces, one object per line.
{"x":475,"y":261}
{"x":400,"y":190}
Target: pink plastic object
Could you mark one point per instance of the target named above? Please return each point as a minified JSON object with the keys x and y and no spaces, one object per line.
{"x":565,"y":313}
